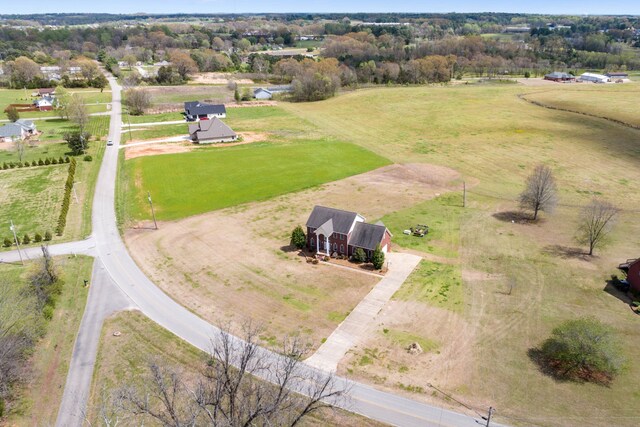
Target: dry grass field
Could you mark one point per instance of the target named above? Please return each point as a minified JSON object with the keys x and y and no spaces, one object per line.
{"x":476,"y":328}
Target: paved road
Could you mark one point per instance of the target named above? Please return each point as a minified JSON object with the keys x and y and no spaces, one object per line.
{"x":361,"y":319}
{"x":154,"y":303}
{"x":81,"y":247}
{"x":105,"y":298}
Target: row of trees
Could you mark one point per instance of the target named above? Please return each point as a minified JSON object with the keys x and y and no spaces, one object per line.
{"x":25,"y":72}
{"x":596,"y":218}
{"x":26,"y":239}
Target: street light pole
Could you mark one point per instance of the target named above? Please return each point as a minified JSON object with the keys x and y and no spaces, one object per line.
{"x":153,"y":213}
{"x":15,"y":237}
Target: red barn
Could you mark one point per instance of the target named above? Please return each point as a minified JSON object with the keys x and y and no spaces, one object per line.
{"x":336,"y":231}
{"x":632,"y":270}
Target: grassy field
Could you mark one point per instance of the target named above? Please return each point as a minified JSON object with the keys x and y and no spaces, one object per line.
{"x":494,"y":138}
{"x":222,"y":177}
{"x":179,"y":94}
{"x":22,"y":96}
{"x":122,"y":359}
{"x":40,"y":399}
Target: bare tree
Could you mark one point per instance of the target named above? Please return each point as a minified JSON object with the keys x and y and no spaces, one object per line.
{"x":20,"y":146}
{"x":77,"y":111}
{"x":596,"y":221}
{"x":138,"y":100}
{"x":540,"y":193}
{"x":240,"y":385}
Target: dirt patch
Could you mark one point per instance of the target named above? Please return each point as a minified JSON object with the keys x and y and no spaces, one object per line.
{"x":234,"y":265}
{"x":155,"y":149}
{"x":6,"y":146}
{"x":248,"y":137}
{"x":217,"y":79}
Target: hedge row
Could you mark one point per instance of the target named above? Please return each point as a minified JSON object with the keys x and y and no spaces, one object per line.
{"x":40,"y":162}
{"x":68,"y":186}
{"x":26,"y":239}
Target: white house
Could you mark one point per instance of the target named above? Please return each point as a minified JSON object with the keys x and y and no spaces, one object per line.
{"x":595,"y":78}
{"x":262,"y":93}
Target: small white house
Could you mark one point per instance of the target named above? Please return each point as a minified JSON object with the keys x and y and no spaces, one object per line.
{"x":262,"y":93}
{"x":594,"y":78}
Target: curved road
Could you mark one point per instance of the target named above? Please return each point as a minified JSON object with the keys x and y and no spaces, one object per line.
{"x":121,"y":272}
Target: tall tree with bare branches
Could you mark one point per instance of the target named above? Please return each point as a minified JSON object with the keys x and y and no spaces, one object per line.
{"x":241,"y":384}
{"x":596,"y":222}
{"x":540,"y":193}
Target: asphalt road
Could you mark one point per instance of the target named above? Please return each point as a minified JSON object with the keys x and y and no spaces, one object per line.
{"x":140,"y":292}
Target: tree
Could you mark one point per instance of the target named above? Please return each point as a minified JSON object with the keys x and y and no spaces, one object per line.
{"x":298,"y":239}
{"x":138,"y":100}
{"x":228,"y":390}
{"x":37,"y":238}
{"x":100,"y":82}
{"x":12,"y":113}
{"x":596,"y":221}
{"x":77,"y":111}
{"x":23,"y":72}
{"x":62,"y":100}
{"x":47,"y":236}
{"x":582,"y":349}
{"x":359,"y":255}
{"x":377,"y":258}
{"x":77,"y":142}
{"x":20,"y":147}
{"x":26,"y":239}
{"x":44,"y":280}
{"x":130,"y":60}
{"x":540,"y":193}
{"x":183,"y":63}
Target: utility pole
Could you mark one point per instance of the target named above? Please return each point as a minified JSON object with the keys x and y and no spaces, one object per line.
{"x":15,"y":237}
{"x":488,"y":418}
{"x":152,"y":211}
{"x":464,"y":194}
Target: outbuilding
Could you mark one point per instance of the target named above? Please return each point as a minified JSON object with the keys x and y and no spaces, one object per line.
{"x":594,"y":78}
{"x":560,"y":77}
{"x":262,"y":93}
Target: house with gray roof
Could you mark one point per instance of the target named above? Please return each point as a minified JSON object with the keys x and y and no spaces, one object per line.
{"x":337,"y":231}
{"x":12,"y":132}
{"x":196,"y":110}
{"x":211,"y":131}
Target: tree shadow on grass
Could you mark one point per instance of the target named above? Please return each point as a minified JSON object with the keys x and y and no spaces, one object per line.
{"x":566,"y":252}
{"x":515,"y":217}
{"x":560,"y":374}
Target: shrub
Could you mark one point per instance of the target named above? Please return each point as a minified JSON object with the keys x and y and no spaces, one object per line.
{"x":12,"y":165}
{"x":54,"y":161}
{"x":67,"y":159}
{"x":19,"y":164}
{"x":7,"y":242}
{"x":60,"y":160}
{"x":26,"y":239}
{"x":40,"y":162}
{"x":5,"y":165}
{"x":583,"y":349}
{"x":377,"y":258}
{"x":34,"y":163}
{"x":47,"y":312}
{"x":298,"y":239}
{"x":47,"y":236}
{"x":527,"y":74}
{"x":47,"y":161}
{"x":88,"y":158}
{"x":359,"y":255}
{"x":37,"y":238}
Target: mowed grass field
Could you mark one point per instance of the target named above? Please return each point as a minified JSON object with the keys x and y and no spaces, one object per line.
{"x":40,"y":398}
{"x":23,"y":96}
{"x":215,"y":178}
{"x":122,"y":360}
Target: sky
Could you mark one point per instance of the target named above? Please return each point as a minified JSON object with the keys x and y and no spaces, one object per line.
{"x":573,"y":7}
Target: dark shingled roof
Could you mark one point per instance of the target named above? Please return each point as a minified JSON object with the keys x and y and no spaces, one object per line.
{"x":367,"y":236}
{"x":210,"y":129}
{"x":342,"y":220}
{"x":195,"y":108}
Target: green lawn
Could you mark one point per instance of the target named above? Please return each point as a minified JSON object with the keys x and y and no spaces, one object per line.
{"x":222,"y":177}
{"x":153,"y":132}
{"x":40,"y":399}
{"x":22,"y":96}
{"x":442,"y":215}
{"x":152,"y":118}
{"x":434,"y":284}
{"x":179,"y":94}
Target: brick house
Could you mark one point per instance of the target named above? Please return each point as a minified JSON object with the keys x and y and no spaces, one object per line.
{"x":632,"y":269}
{"x":336,"y":231}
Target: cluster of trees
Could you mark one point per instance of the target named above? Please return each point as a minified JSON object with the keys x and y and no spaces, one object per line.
{"x":595,"y":221}
{"x":26,"y":239}
{"x":40,"y":162}
{"x":66,"y":199}
{"x":24,"y":310}
{"x":24,"y":72}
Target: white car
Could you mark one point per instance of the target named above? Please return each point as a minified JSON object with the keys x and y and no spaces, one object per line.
{"x":110,"y":142}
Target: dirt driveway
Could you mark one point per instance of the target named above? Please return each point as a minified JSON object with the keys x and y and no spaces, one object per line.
{"x":233,"y":265}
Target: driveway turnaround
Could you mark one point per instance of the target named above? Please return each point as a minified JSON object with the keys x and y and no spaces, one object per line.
{"x":359,"y":321}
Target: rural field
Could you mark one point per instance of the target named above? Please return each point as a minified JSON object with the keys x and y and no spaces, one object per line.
{"x":96,"y":101}
{"x":41,"y":396}
{"x":127,"y":356}
{"x":492,"y":285}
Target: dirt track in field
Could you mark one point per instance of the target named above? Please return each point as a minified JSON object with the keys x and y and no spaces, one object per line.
{"x":234,"y":265}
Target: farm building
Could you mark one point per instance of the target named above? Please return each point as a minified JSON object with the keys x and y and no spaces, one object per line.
{"x":336,"y":231}
{"x":594,"y":78}
{"x":632,"y":269}
{"x":262,"y":93}
{"x":195,"y":110}
{"x":17,"y":131}
{"x":617,"y":75}
{"x":560,"y":77}
{"x":211,"y":131}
